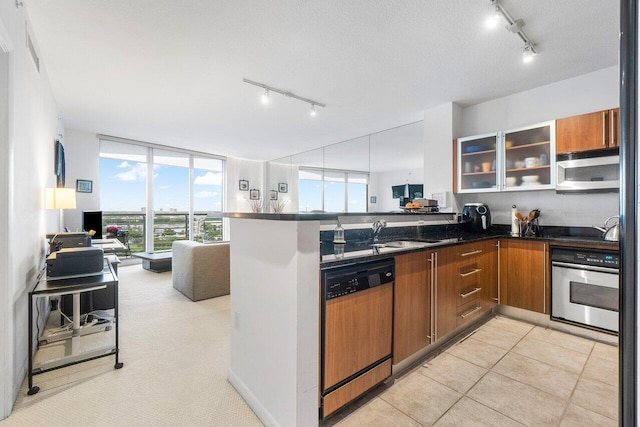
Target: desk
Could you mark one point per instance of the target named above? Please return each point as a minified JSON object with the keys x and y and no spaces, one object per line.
{"x":112,"y":246}
{"x":72,"y":286}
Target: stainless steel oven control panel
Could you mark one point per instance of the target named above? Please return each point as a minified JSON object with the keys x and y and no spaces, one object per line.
{"x":598,"y":257}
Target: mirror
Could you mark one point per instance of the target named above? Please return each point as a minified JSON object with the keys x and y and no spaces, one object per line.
{"x":358,"y":173}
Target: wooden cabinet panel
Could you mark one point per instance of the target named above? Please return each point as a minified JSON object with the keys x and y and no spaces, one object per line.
{"x":526,"y":275}
{"x":586,"y":132}
{"x":489,"y":278}
{"x":412,"y":305}
{"x":358,"y":325}
{"x":614,"y":128}
{"x":446,"y":290}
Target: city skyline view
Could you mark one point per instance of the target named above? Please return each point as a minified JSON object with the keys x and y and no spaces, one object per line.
{"x":123,"y":187}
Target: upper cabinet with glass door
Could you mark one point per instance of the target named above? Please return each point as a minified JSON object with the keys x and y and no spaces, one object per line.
{"x":529,"y":153}
{"x":516,"y":160}
{"x":477,"y":162}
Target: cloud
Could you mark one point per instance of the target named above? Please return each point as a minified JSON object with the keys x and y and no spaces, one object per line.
{"x":124,"y":164}
{"x":210,"y":178}
{"x":138,"y":172}
{"x":205,"y":194}
{"x":164,"y":187}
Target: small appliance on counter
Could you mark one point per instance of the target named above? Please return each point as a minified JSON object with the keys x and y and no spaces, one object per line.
{"x":476,"y":216}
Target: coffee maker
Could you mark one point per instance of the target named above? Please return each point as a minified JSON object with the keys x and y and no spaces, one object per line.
{"x":476,"y":216}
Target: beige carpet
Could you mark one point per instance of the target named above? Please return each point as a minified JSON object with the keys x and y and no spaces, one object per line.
{"x":176,"y":358}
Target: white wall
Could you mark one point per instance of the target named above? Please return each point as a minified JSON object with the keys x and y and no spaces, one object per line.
{"x":287,"y":174}
{"x":249,"y":170}
{"x":82,"y":150}
{"x":29,"y":149}
{"x":440,"y":123}
{"x":583,"y":94}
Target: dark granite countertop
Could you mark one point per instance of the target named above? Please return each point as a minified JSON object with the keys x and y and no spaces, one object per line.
{"x":319,"y":216}
{"x":361,"y":249}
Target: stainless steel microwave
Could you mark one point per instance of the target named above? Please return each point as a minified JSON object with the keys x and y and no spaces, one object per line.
{"x":588,"y":172}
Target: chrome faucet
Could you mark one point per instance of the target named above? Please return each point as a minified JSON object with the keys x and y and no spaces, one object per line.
{"x":377,"y":228}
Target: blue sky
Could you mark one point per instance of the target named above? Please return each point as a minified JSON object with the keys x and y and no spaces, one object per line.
{"x":123,"y":187}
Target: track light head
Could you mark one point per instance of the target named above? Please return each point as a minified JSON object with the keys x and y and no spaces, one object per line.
{"x":528,"y":53}
{"x":493,"y":19}
{"x":266,"y":97}
{"x":313,"y":110}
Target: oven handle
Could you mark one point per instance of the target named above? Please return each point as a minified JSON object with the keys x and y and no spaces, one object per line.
{"x":585,"y":267}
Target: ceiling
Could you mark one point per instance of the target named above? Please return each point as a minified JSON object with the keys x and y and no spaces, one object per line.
{"x":170,"y":72}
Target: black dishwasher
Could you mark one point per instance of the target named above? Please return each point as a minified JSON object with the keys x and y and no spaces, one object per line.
{"x":356,"y":331}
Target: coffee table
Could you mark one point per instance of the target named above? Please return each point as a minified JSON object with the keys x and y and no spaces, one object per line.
{"x":157,"y":262}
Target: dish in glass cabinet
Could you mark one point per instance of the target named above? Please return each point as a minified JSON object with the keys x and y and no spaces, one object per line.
{"x":481,"y":184}
{"x":475,"y":148}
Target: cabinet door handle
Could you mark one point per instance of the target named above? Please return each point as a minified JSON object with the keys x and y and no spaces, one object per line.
{"x":613,"y":129}
{"x":477,"y":270}
{"x":470,"y":312}
{"x":479,"y":251}
{"x":604,"y":136}
{"x":468,"y":294}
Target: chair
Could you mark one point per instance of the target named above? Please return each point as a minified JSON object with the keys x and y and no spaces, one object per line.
{"x":201,"y":270}
{"x":123,"y":236}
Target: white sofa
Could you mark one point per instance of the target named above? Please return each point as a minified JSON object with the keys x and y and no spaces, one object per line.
{"x":201,"y":270}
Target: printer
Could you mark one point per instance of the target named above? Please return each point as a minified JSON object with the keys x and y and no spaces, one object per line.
{"x":75,"y":261}
{"x":58,"y":241}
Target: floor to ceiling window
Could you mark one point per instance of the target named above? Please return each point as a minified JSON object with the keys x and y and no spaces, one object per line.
{"x":332,"y":190}
{"x":184,"y":192}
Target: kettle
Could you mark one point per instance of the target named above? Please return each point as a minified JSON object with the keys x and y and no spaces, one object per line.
{"x":611,"y":233}
{"x":476,"y":216}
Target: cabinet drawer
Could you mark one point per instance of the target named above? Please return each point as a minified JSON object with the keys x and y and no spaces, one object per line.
{"x":471,"y":250}
{"x":467,"y":294}
{"x":468,"y":311}
{"x":467,"y":273}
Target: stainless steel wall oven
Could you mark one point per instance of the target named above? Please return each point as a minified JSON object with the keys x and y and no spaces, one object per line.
{"x":585,"y":287}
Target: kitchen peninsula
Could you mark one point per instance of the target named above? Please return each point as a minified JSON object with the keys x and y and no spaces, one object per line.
{"x":276,"y":265}
{"x":275,"y":270}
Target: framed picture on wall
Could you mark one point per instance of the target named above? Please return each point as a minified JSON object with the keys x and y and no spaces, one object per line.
{"x":283,"y":187}
{"x":254,"y":194}
{"x":84,"y":186}
{"x":273,"y":195}
{"x":244,"y":185}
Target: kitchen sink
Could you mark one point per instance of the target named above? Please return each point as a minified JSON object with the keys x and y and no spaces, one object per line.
{"x":405,"y":244}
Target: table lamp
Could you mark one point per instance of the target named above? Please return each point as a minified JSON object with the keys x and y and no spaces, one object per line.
{"x":60,"y":198}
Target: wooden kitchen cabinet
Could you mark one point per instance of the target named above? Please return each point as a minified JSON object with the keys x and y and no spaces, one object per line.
{"x":489,"y":295}
{"x":586,"y":132}
{"x":524,"y":274}
{"x":445,"y":291}
{"x":412,"y":305}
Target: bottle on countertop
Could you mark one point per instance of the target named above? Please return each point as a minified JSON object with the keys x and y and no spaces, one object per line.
{"x":515,"y":222}
{"x":338,"y":234}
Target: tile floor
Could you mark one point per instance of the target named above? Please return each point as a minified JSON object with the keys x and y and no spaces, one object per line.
{"x":507,"y":373}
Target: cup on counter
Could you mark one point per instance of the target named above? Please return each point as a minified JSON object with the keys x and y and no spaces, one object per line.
{"x":486,"y":167}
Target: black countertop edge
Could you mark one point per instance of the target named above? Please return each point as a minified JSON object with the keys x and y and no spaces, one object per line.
{"x":314,"y":216}
{"x":580,"y":242}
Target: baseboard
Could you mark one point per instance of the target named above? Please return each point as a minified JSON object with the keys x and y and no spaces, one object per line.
{"x":544,"y":320}
{"x":253,"y":402}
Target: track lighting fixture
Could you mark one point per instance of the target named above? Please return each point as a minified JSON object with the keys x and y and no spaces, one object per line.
{"x":528,"y":53}
{"x":267,"y":95}
{"x":513,"y":26}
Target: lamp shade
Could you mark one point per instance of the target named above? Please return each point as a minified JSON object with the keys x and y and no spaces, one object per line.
{"x":60,"y":198}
